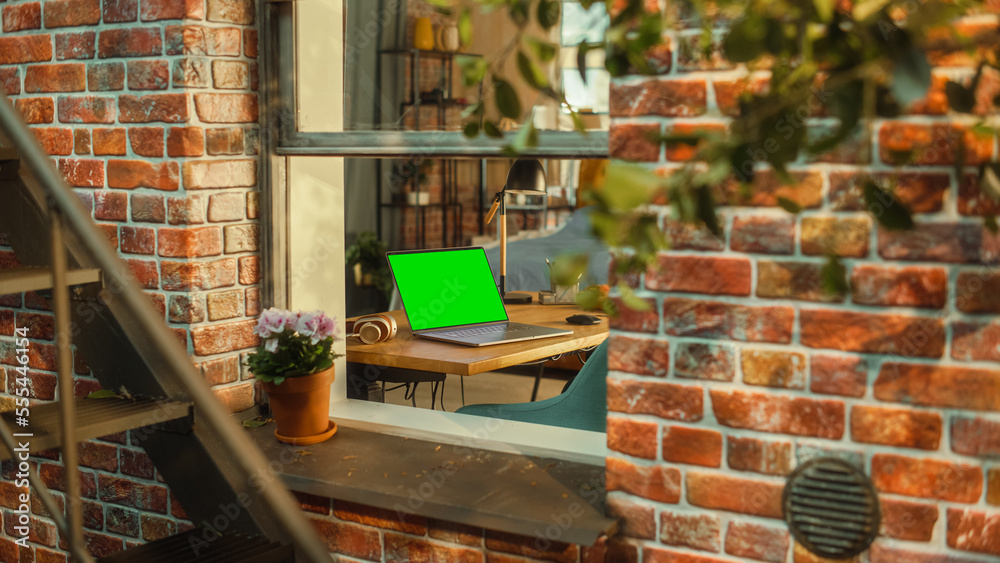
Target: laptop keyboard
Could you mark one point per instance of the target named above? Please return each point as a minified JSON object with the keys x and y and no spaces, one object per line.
{"x":481,"y":330}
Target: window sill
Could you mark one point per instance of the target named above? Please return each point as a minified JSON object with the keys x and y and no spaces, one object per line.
{"x":476,"y":482}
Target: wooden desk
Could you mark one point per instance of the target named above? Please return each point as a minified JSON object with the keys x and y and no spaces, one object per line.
{"x":409,"y":352}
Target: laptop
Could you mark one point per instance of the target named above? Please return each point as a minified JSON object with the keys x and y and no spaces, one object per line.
{"x":450,"y":295}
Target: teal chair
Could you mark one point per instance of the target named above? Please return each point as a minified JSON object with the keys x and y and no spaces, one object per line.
{"x":583,"y":406}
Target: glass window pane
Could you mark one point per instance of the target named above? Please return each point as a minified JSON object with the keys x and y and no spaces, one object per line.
{"x":589,"y":97}
{"x":579,"y":24}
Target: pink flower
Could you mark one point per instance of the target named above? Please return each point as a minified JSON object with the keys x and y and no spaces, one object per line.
{"x":329,"y":327}
{"x":271,"y":345}
{"x":273,"y":321}
{"x":315,"y":325}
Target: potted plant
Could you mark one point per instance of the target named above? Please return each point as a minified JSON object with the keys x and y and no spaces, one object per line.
{"x":295,"y":366}
{"x":367,"y":257}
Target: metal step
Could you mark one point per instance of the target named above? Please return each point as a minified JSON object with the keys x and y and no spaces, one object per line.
{"x":94,"y":418}
{"x":204,"y":546}
{"x":33,"y":278}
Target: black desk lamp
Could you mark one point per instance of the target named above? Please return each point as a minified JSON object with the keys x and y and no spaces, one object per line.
{"x":526,"y":176}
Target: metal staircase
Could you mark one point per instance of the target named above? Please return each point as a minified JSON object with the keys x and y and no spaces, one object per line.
{"x":205,"y":457}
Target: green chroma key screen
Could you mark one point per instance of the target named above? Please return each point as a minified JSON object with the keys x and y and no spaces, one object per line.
{"x":442,"y":288}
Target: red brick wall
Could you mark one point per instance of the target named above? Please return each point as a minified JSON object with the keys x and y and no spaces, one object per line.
{"x":744,"y":368}
{"x":149,"y":108}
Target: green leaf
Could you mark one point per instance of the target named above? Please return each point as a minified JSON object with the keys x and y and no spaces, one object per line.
{"x":886,"y":208}
{"x":824,"y":9}
{"x":471,"y":129}
{"x":631,"y":300}
{"x":581,"y":59}
{"x":589,"y":298}
{"x":492,"y":130}
{"x":543,"y":50}
{"x":789,"y":205}
{"x":527,"y":137}
{"x":253,"y":423}
{"x":865,"y":9}
{"x":634,"y":186}
{"x":990,"y":222}
{"x":506,"y":99}
{"x":530,"y":72}
{"x":960,"y":98}
{"x":470,"y":111}
{"x":465,"y":27}
{"x":706,"y":210}
{"x":103,"y":394}
{"x":548,"y":13}
{"x":834,"y":277}
{"x":578,"y":124}
{"x":989,"y":180}
{"x":518,"y":12}
{"x":911,"y":76}
{"x":474,"y":69}
{"x":741,"y":44}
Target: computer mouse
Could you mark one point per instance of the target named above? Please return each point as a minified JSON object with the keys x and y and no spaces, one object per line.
{"x":583,"y":320}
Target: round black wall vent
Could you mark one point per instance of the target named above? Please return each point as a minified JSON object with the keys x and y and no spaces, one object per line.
{"x":831,"y":508}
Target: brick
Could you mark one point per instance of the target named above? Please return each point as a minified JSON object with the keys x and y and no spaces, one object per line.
{"x":82,"y":173}
{"x":763,"y":235}
{"x":902,"y":287}
{"x":225,"y":305}
{"x":784,"y":415}
{"x":696,"y":360}
{"x":192,"y":72}
{"x":700,"y":274}
{"x":168,"y":108}
{"x":978,"y":292}
{"x":656,"y":555}
{"x":873,"y":334}
{"x":895,"y":427}
{"x":974,"y":530}
{"x":230,"y":75}
{"x":801,"y":281}
{"x":184,"y":276}
{"x":805,"y":189}
{"x":102,"y":77}
{"x":81,"y":141}
{"x":198,"y":40}
{"x":637,"y":520}
{"x":920,"y":192}
{"x":35,"y":110}
{"x":138,"y":240}
{"x":148,"y":75}
{"x":146,"y":141}
{"x":107,"y":141}
{"x":629,"y":319}
{"x":250,"y":270}
{"x":231,"y":11}
{"x":771,"y":368}
{"x":86,"y":109}
{"x":155,"y":528}
{"x":148,"y":208}
{"x":223,"y":370}
{"x":54,"y":140}
{"x":250,"y":43}
{"x":226,"y":108}
{"x":71,"y":13}
{"x":686,"y":236}
{"x":241,"y":238}
{"x":25,"y":49}
{"x":226,"y":337}
{"x":205,"y":241}
{"x":975,"y":436}
{"x":186,"y":309}
{"x":729,"y":92}
{"x":157,"y":10}
{"x":406,"y":548}
{"x":754,"y":541}
{"x":252,"y":136}
{"x":697,"y":531}
{"x":75,"y":45}
{"x":110,"y":205}
{"x":993,"y":489}
{"x":19,"y":17}
{"x":974,"y":201}
{"x":839,"y":236}
{"x":694,"y":446}
{"x":224,"y":140}
{"x":130,"y":42}
{"x":665,"y":400}
{"x":189,"y":210}
{"x":722,"y":492}
{"x":634,"y":141}
{"x":665,"y":98}
{"x":144,"y":272}
{"x":185,"y":141}
{"x":928,"y":478}
{"x":839,"y":375}
{"x":935,"y":242}
{"x":632,"y":437}
{"x":537,"y":548}
{"x":10,"y":79}
{"x":940,"y":386}
{"x":40,"y":326}
{"x":684,"y":152}
{"x":931,"y":145}
{"x":111,"y":232}
{"x":975,"y":341}
{"x":759,"y":456}
{"x":119,"y":11}
{"x":349,"y":539}
{"x":904,"y":520}
{"x":130,"y":174}
{"x":710,"y":319}
{"x":235,"y":398}
{"x":128,"y":493}
{"x":313,"y":503}
{"x":220,"y":174}
{"x":66,"y":77}
{"x":226,"y":207}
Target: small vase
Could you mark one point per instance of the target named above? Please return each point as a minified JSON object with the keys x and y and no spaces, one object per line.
{"x":301,"y":408}
{"x":423,"y":34}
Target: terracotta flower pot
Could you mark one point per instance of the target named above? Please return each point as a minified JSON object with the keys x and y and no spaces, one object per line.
{"x":301,"y":408}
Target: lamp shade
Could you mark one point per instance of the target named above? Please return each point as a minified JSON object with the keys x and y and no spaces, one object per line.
{"x":526,"y":176}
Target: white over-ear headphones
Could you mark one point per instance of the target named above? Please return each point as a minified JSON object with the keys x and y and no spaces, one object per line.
{"x":374,"y":328}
